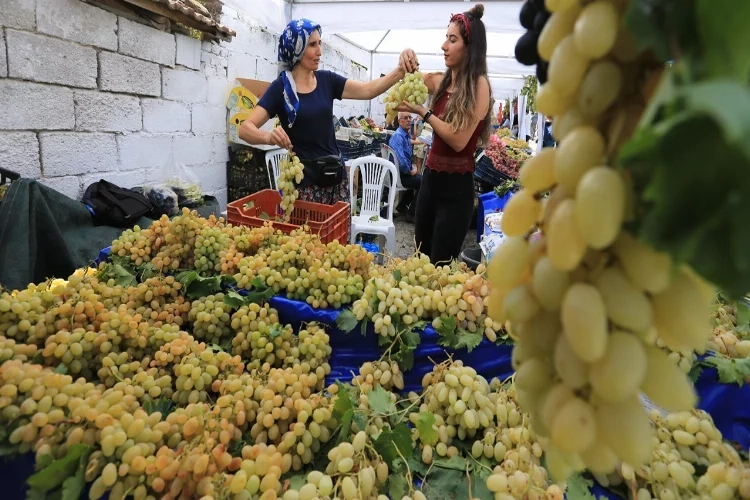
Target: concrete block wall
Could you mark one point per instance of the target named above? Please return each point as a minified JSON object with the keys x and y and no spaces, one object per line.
{"x":86,"y":94}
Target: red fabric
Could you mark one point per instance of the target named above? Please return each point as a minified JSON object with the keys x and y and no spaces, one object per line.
{"x":442,"y":157}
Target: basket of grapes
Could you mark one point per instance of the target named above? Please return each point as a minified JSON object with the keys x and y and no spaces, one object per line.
{"x":330,"y":222}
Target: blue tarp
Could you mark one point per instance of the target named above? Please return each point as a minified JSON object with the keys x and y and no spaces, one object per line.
{"x":488,"y":203}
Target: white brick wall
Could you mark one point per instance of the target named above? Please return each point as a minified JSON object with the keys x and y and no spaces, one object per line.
{"x":105,"y":112}
{"x":19,"y":14}
{"x":78,"y":22}
{"x":3,"y":56}
{"x":86,"y":95}
{"x":45,"y":59}
{"x":69,"y":185}
{"x":208,"y":119}
{"x":144,"y":42}
{"x":19,"y":151}
{"x":118,"y":73}
{"x":160,"y":116}
{"x":139,"y":151}
{"x":183,"y":85}
{"x":32,"y":106}
{"x":76,"y":153}
{"x":188,"y":51}
{"x":193,"y":150}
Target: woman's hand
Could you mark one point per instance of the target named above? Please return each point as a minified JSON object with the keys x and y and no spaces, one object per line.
{"x":408,"y":61}
{"x":278,"y":137}
{"x":407,"y":107}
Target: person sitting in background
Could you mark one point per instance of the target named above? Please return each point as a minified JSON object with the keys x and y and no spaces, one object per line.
{"x":403,"y":145}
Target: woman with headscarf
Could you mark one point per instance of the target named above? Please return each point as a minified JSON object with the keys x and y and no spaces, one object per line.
{"x":302,"y":97}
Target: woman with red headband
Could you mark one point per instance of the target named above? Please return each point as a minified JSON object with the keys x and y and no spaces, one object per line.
{"x":460,"y":117}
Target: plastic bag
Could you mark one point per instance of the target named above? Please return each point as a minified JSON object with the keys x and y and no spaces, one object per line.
{"x":175,"y":187}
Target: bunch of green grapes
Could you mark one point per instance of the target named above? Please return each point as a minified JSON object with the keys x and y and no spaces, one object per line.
{"x":209,"y":243}
{"x":260,"y":338}
{"x":10,"y":349}
{"x":284,"y":409}
{"x":385,"y":374}
{"x":461,"y":398}
{"x":172,"y":352}
{"x":411,"y":89}
{"x":304,"y":268}
{"x":196,"y":374}
{"x":684,"y":359}
{"x":687,"y":441}
{"x":727,"y":339}
{"x":290,"y":174}
{"x":23,"y":313}
{"x":579,"y":304}
{"x":210,"y":318}
{"x":312,"y":346}
{"x":357,"y":474}
{"x":415,"y":289}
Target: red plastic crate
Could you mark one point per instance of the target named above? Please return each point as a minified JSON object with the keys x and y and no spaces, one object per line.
{"x":330,"y":222}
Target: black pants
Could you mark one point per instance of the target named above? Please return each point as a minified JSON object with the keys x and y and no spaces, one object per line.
{"x":412,"y":184}
{"x":445,"y":206}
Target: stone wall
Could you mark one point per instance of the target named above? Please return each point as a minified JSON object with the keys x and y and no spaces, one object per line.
{"x":86,"y":94}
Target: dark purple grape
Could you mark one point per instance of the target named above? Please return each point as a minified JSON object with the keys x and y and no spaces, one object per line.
{"x":528,"y":13}
{"x":539,"y":4}
{"x":541,"y":72}
{"x":540,"y":20}
{"x":526,"y":52}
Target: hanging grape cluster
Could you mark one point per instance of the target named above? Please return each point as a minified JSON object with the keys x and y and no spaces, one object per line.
{"x":290,"y":174}
{"x":411,"y":89}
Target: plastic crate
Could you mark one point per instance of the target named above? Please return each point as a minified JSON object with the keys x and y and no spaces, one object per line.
{"x":485,"y":171}
{"x":330,"y":222}
{"x":245,"y":177}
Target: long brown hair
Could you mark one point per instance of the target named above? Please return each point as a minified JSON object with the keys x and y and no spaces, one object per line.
{"x":459,"y":113}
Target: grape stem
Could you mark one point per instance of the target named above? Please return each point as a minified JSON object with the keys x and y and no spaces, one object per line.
{"x":409,"y":478}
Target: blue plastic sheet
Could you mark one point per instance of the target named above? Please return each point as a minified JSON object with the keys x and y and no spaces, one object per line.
{"x":728,"y":405}
{"x":488,"y":203}
{"x":350,"y":350}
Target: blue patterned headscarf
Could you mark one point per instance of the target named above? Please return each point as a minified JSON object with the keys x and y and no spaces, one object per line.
{"x":292,"y":45}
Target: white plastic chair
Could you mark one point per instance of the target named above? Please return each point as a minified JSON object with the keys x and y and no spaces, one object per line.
{"x":273,"y":161}
{"x":374,"y":173}
{"x":387,"y":153}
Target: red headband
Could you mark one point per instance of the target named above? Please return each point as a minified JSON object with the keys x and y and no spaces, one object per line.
{"x":465,"y":21}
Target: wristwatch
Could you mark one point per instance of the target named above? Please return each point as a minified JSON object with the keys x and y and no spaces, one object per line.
{"x":427,"y":116}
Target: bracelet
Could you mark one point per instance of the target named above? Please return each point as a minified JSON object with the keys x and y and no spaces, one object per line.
{"x":427,"y":116}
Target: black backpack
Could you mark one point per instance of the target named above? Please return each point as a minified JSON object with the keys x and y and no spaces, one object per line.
{"x":111,"y":205}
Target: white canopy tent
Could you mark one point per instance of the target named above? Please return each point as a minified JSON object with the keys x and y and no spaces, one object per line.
{"x":386,"y":27}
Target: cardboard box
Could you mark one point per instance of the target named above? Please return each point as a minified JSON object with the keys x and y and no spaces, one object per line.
{"x":242,"y":99}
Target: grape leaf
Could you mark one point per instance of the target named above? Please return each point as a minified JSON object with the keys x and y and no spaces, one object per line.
{"x":44,"y":461}
{"x":726,"y":54}
{"x":730,"y":371}
{"x":203,"y":287}
{"x":398,"y":486}
{"x":165,"y":406}
{"x":147,"y":271}
{"x":468,"y":340}
{"x":657,"y":24}
{"x":346,"y":321}
{"x":55,"y":473}
{"x":743,"y":316}
{"x":416,"y":465}
{"x":695,"y":372}
{"x":391,"y":440}
{"x":668,"y":176}
{"x":364,"y":326}
{"x":61,"y":369}
{"x":425,"y":421}
{"x":297,"y":481}
{"x":478,"y":487}
{"x":122,"y":276}
{"x":275,"y":330}
{"x":73,"y":486}
{"x":456,"y":462}
{"x":380,"y":401}
{"x":579,"y":488}
{"x":234,"y":300}
{"x":343,"y":409}
{"x":397,"y":274}
{"x":186,"y":277}
{"x":445,"y":484}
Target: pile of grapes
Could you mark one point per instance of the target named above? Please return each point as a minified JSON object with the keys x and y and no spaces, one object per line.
{"x":584,"y":303}
{"x":411,"y":89}
{"x":290,"y":174}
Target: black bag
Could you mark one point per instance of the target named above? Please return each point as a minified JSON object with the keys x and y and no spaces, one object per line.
{"x":325,"y":171}
{"x":112,"y":205}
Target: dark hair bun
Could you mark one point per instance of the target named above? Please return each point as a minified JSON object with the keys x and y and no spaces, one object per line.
{"x":477,"y":11}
